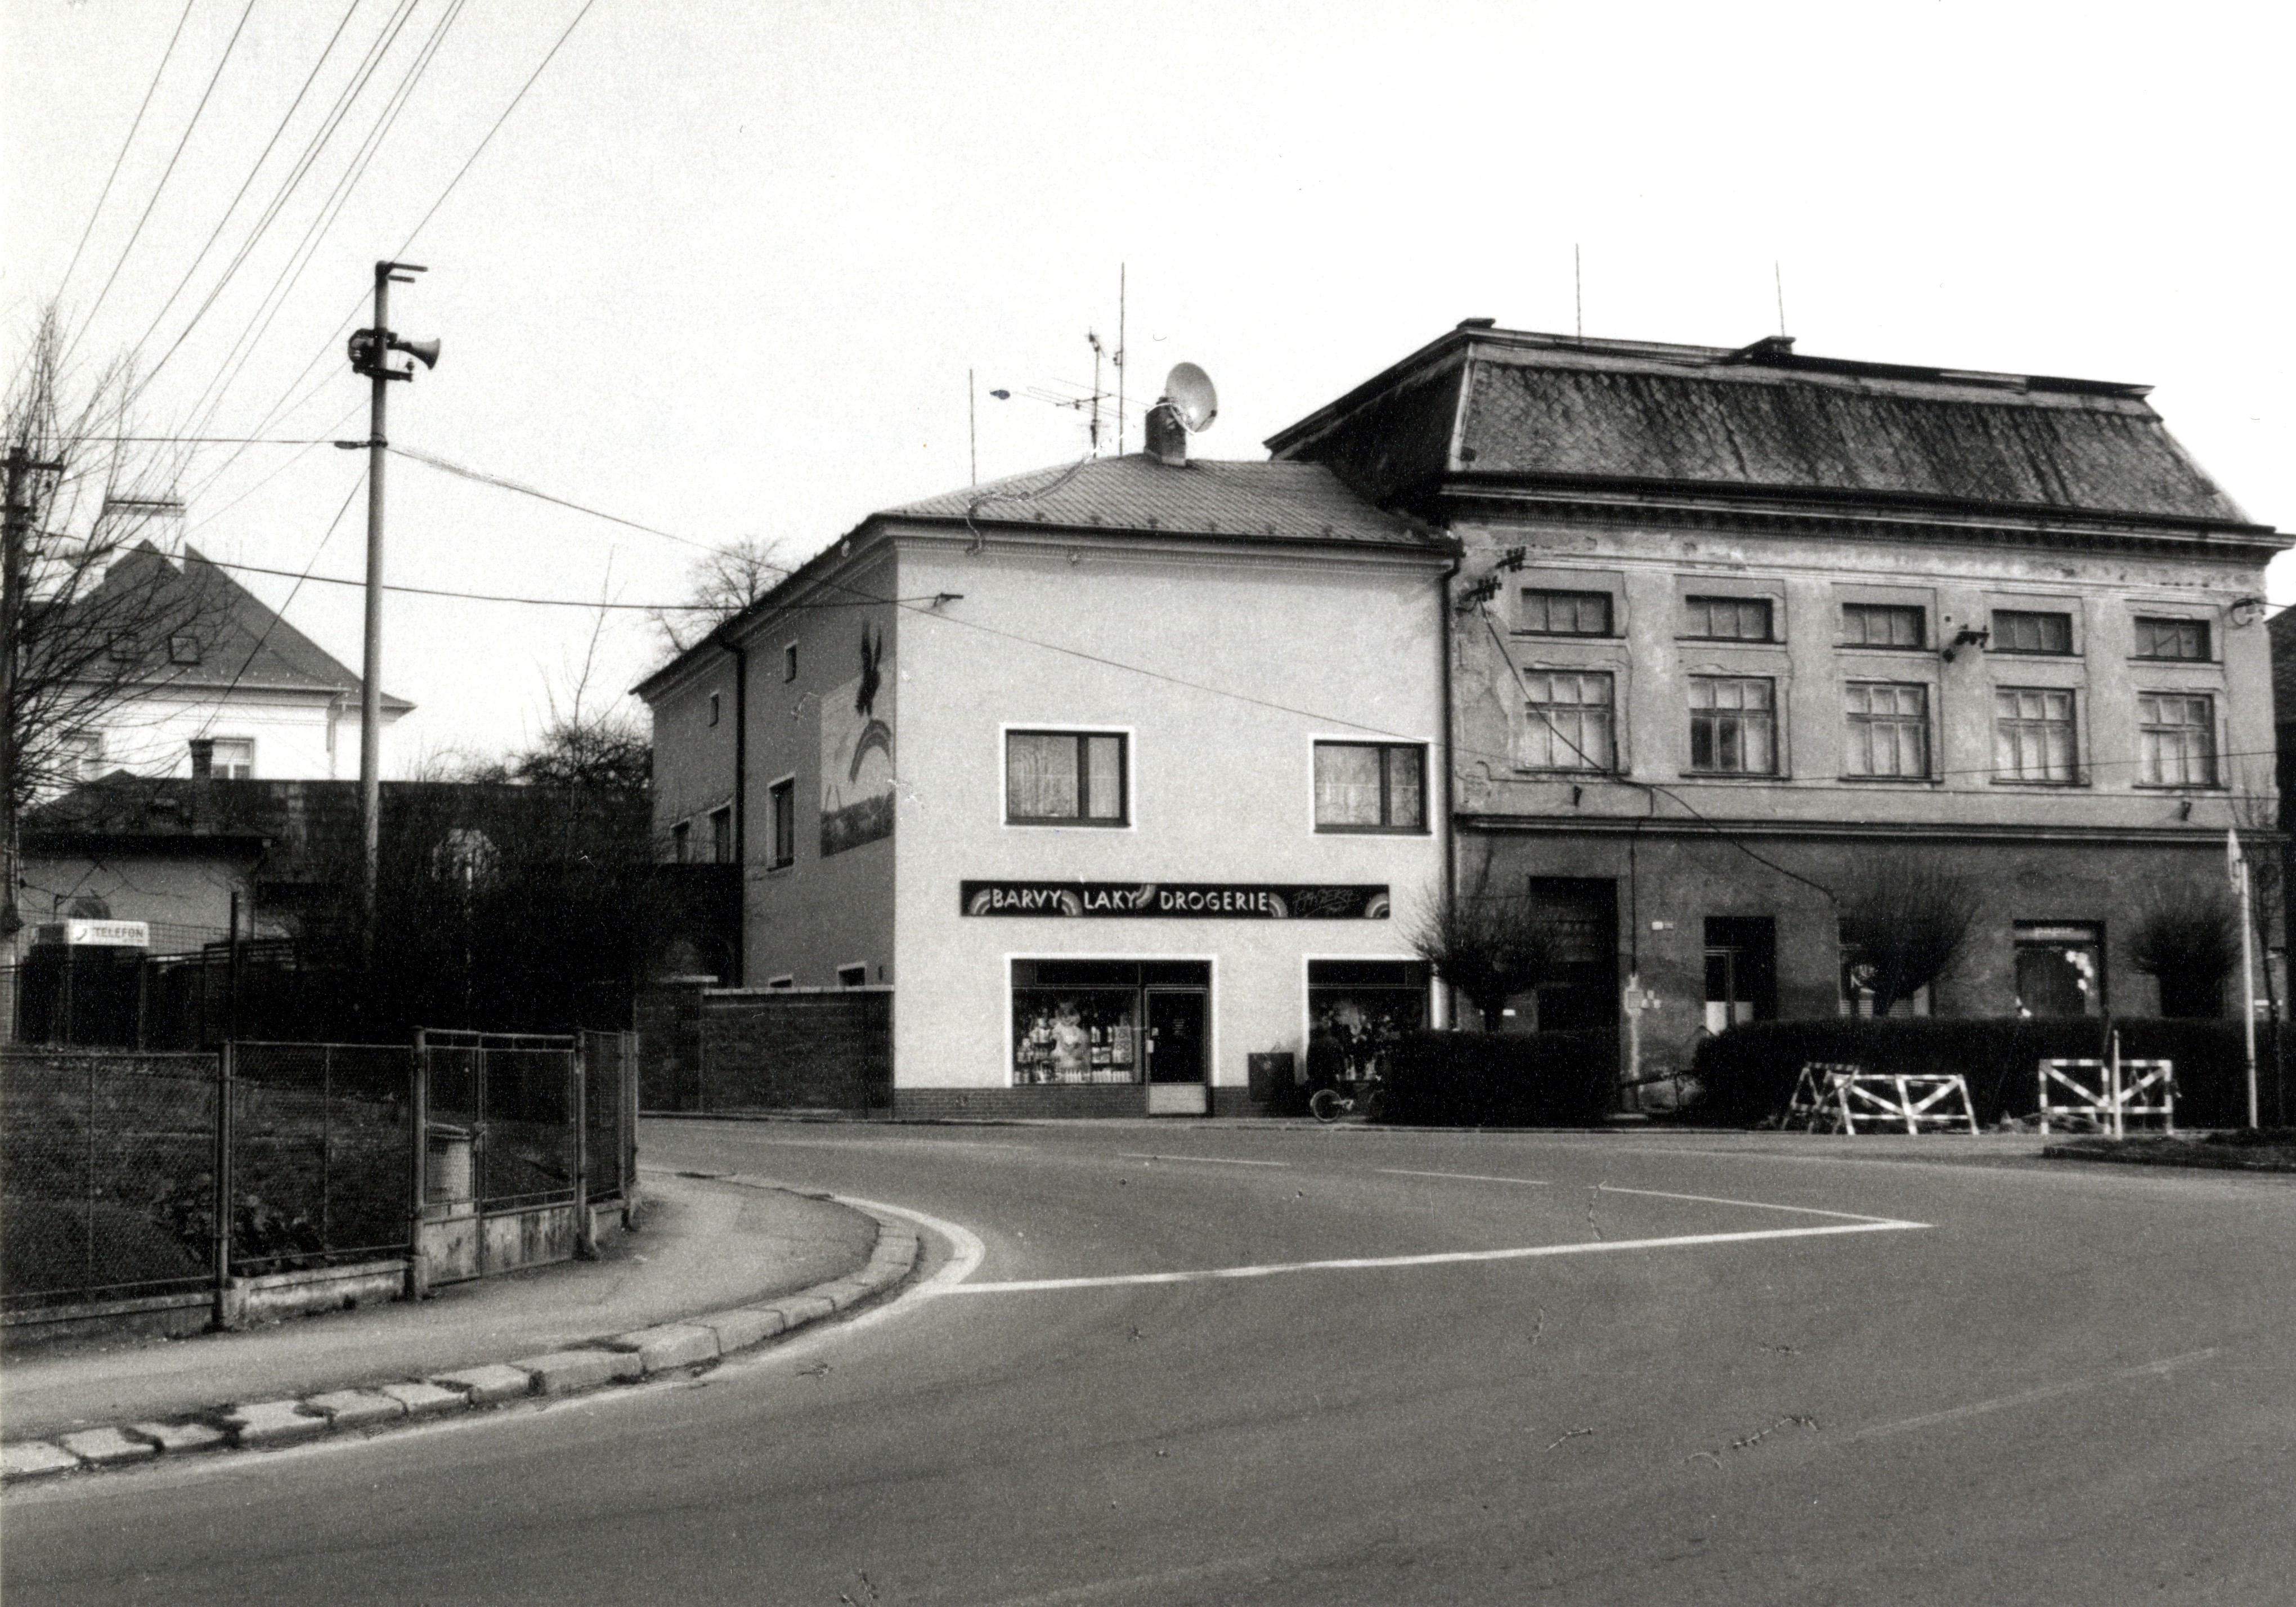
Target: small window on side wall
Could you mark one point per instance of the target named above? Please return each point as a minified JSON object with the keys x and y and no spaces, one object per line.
{"x":853,"y":976}
{"x":715,"y":701}
{"x":783,"y":795}
{"x":1070,"y":778}
{"x":721,"y":836}
{"x":681,"y":842}
{"x":1370,"y":787}
{"x":789,"y":662}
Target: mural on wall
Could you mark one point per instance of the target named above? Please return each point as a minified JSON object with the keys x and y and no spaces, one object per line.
{"x":857,"y":755}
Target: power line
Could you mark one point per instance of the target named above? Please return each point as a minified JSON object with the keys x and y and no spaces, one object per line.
{"x":217,"y":233}
{"x":106,"y":193}
{"x":213,"y":79}
{"x":648,"y":607}
{"x":447,"y":466}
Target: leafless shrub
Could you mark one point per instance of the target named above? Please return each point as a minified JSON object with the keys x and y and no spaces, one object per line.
{"x":1906,"y":919}
{"x":2188,"y":944}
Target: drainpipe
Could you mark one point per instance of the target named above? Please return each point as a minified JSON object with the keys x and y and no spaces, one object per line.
{"x":1450,"y":830}
{"x":741,"y":656}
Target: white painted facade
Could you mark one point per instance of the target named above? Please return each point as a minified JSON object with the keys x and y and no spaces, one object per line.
{"x":284,"y":735}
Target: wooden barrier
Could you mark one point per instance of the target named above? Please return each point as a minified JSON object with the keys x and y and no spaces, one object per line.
{"x":1834,"y":1097}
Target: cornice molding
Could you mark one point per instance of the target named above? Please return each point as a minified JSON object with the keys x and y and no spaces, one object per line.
{"x":2179,"y":836}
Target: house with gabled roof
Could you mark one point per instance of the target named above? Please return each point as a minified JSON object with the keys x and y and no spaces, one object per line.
{"x":235,"y":692}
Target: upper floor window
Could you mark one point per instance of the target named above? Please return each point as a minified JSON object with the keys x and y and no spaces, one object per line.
{"x":1733,"y":728}
{"x":183,"y":650}
{"x":784,"y":796}
{"x":2159,"y":638}
{"x":2177,"y":735}
{"x":1727,"y":618}
{"x":2033,"y":734}
{"x":83,"y":755}
{"x":1065,"y":778}
{"x":681,"y":842}
{"x":2018,"y":630}
{"x":223,"y":758}
{"x":1883,"y":625}
{"x":1572,"y":725}
{"x":715,"y":700}
{"x":1370,"y":787}
{"x":853,"y":976}
{"x":721,"y":836}
{"x":1552,"y":614}
{"x":789,"y":662}
{"x":1889,"y":730}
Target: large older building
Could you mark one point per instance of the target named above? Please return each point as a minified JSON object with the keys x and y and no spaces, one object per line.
{"x":1738,"y":631}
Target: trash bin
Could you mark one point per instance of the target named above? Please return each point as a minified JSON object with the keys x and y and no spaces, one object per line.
{"x":447,"y":1173}
{"x":1274,"y":1083}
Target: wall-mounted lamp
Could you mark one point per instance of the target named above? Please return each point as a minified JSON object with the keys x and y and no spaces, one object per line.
{"x":2247,"y":611}
{"x":1969,"y":636}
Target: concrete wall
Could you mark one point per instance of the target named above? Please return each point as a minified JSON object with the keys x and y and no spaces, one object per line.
{"x":765,"y":1049}
{"x":186,"y":900}
{"x":1223,"y":667}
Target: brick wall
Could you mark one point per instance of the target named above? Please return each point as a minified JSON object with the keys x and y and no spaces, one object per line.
{"x":754,"y":1049}
{"x":1050,"y":1100}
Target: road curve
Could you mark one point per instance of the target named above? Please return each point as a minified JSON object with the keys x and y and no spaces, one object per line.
{"x":1183,"y":1362}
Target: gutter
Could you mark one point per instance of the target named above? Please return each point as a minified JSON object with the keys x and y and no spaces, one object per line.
{"x":741,"y":656}
{"x":1450,"y":825}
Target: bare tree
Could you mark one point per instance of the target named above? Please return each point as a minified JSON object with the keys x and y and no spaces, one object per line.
{"x":1491,"y":946}
{"x":2188,"y":944}
{"x":1906,"y":919}
{"x":720,"y":585}
{"x":91,"y":613}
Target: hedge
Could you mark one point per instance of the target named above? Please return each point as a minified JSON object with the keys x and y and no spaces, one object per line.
{"x":1502,"y":1079}
{"x":1749,"y":1071}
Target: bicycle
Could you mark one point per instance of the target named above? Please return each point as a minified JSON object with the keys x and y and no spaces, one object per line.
{"x":1368,"y":1096}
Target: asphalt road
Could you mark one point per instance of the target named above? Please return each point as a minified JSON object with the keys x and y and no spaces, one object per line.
{"x":1632,"y":1368}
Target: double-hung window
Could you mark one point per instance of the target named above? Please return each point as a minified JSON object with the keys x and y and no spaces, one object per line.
{"x":721,"y":836}
{"x":1065,"y":778}
{"x":1733,"y":724}
{"x":2033,"y":734}
{"x":1572,"y":725}
{"x":1370,"y":787}
{"x":1727,"y":618}
{"x":2177,"y":735}
{"x":1553,"y":613}
{"x":784,"y":794}
{"x":1889,"y":732}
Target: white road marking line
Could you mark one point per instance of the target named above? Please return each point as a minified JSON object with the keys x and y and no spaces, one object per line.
{"x":1397,"y":1171}
{"x":2159,"y":1369}
{"x":1442,"y":1259}
{"x":1759,"y":1205}
{"x":1198,"y":1160}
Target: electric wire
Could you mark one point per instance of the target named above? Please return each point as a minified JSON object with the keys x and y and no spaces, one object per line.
{"x":449,"y":466}
{"x":106,"y":193}
{"x":136,"y":233}
{"x":223,"y":222}
{"x":578,"y":602}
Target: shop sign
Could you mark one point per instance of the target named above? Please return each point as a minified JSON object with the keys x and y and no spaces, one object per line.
{"x":96,"y":934}
{"x":1178,"y":900}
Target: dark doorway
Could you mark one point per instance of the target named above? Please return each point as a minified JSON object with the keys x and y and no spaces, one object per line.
{"x":1175,"y":1037}
{"x":1582,"y":913}
{"x":1742,"y":970}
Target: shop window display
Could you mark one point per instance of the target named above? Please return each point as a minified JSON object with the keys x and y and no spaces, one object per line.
{"x":1356,"y":1009}
{"x":1075,"y":1036}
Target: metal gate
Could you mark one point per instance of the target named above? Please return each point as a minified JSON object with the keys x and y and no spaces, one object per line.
{"x":502,"y":1151}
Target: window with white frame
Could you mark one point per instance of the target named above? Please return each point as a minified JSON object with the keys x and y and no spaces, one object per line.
{"x":1571,"y":722}
{"x":1883,"y":625}
{"x":1727,"y":618}
{"x":784,"y":796}
{"x":2025,"y":630}
{"x":1543,"y":611}
{"x":2177,"y":733}
{"x":2033,"y":734}
{"x":1733,"y":724}
{"x":1065,"y":778}
{"x":1889,"y":729}
{"x":2165,"y":638}
{"x":1370,"y":787}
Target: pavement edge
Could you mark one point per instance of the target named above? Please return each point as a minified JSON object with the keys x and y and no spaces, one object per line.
{"x":664,"y":1348}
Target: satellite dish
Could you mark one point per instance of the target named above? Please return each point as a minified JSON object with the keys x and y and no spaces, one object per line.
{"x":1189,"y":390}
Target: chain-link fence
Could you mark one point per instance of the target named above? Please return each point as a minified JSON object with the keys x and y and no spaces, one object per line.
{"x":509,"y":1097}
{"x":107,"y":1176}
{"x":610,"y":1082}
{"x":321,"y":1172}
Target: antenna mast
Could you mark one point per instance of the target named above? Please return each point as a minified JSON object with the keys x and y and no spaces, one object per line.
{"x":1120,"y":359}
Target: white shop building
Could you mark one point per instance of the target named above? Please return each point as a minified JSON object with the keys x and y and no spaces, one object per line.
{"x":1116,"y":774}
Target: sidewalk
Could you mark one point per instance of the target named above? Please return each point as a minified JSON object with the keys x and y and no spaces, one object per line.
{"x":702,"y":1245}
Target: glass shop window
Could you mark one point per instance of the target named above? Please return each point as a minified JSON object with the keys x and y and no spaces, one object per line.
{"x":1076,"y":1035}
{"x":1359,"y":1009}
{"x":2060,"y":968}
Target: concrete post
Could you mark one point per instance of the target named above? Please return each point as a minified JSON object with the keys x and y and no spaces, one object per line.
{"x":578,"y":1093}
{"x":418,"y":1117}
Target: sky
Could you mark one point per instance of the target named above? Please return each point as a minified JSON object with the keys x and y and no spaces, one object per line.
{"x":732,"y":270}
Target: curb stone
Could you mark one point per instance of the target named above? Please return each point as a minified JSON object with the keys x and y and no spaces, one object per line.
{"x":647,"y":1352}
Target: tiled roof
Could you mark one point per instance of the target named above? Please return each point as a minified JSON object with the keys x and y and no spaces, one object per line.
{"x":1761,"y":421}
{"x":240,"y":642}
{"x":1240,"y":501}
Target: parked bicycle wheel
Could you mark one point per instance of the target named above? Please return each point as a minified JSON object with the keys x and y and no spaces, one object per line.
{"x":1326,"y":1104}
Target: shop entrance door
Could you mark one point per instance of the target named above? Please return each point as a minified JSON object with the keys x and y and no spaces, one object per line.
{"x":1175,"y":1054}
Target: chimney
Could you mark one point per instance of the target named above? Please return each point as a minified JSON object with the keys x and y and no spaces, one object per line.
{"x":1166,"y":438}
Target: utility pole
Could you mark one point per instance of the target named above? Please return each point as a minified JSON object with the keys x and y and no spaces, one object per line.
{"x":370,"y":350}
{"x":13,"y":531}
